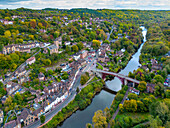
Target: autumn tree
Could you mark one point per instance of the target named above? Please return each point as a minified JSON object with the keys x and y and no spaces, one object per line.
{"x":142,"y":86}
{"x":96,"y":44}
{"x":99,"y":120}
{"x":132,"y":96}
{"x":33,"y":23}
{"x":7,"y":34}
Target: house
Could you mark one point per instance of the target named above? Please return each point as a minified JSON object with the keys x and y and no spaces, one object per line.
{"x":49,"y":89}
{"x":120,"y":53}
{"x":8,"y":22}
{"x":27,"y":50}
{"x":1,"y":79}
{"x":25,"y":117}
{"x":76,"y":56}
{"x":29,"y":45}
{"x":82,"y":62}
{"x":150,"y":88}
{"x":3,"y":99}
{"x":133,"y":90}
{"x":11,"y":87}
{"x":30,"y":60}
{"x":12,"y":124}
{"x":145,"y":67}
{"x":41,"y":76}
{"x":58,"y":41}
{"x":53,"y":49}
{"x":67,"y":43}
{"x":37,"y":113}
{"x":20,"y":72}
{"x":43,"y":31}
{"x":1,"y":116}
{"x":156,"y":67}
{"x":101,"y":58}
{"x":83,"y":54}
{"x":10,"y":49}
{"x":92,"y":53}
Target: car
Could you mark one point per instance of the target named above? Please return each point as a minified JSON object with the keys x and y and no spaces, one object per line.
{"x":165,"y":83}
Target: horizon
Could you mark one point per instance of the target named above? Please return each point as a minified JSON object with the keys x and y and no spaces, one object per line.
{"x":90,"y":4}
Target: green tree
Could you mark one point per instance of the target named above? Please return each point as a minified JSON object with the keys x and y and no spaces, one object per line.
{"x":159,"y":89}
{"x":140,"y":106}
{"x":43,"y":70}
{"x":159,"y":78}
{"x":88,"y":125}
{"x":77,"y":90}
{"x":80,"y":45}
{"x":42,"y":119}
{"x":132,"y":96}
{"x":18,"y":98}
{"x":50,"y":71}
{"x":75,"y":48}
{"x":106,"y":41}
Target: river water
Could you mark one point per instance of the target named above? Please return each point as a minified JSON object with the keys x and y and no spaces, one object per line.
{"x":103,"y":99}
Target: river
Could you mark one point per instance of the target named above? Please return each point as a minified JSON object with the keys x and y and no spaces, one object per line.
{"x":103,"y":99}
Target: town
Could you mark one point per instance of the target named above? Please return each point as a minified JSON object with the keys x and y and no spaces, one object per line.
{"x":47,"y":57}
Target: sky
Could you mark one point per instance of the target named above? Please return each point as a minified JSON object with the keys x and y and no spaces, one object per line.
{"x":92,"y":4}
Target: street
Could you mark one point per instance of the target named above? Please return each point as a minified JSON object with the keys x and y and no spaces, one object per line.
{"x":63,"y":104}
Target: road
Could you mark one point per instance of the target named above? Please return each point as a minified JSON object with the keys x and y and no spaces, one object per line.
{"x":63,"y":104}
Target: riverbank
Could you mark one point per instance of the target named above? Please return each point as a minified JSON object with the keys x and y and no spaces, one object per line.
{"x":80,"y":102}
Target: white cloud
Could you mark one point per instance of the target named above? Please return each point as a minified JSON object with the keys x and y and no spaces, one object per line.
{"x":94,"y":4}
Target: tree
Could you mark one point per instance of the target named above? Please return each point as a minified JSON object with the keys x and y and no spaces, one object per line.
{"x":42,"y":119}
{"x":77,"y":90}
{"x":88,"y":125}
{"x":167,"y":93}
{"x":84,"y":79}
{"x":107,"y":114}
{"x":47,"y":62}
{"x":18,"y":98}
{"x":132,"y":96}
{"x":159,"y":89}
{"x":56,"y":34}
{"x":50,"y":71}
{"x":140,"y":106}
{"x":33,"y":23}
{"x":159,"y":78}
{"x":75,"y":48}
{"x":96,"y":44}
{"x":99,"y":120}
{"x":142,"y":86}
{"x":7,"y":34}
{"x":112,"y":123}
{"x":155,"y":123}
{"x":40,"y":25}
{"x":106,"y":41}
{"x":43,"y":70}
{"x":80,"y":45}
{"x":121,"y":108}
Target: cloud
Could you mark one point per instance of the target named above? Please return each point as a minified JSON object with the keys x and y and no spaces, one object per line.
{"x":93,"y":4}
